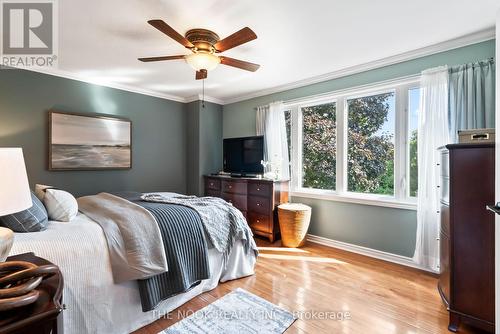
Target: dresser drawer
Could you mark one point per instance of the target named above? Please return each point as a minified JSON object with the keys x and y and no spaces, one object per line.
{"x":260,"y":222}
{"x":234,"y":187}
{"x":212,"y":184}
{"x":212,"y":193}
{"x":445,"y":219}
{"x":259,"y":204}
{"x":238,"y":201}
{"x":260,"y":189}
{"x":444,"y":267}
{"x":444,"y":189}
{"x":445,"y":163}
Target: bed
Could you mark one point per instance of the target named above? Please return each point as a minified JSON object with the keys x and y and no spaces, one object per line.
{"x":94,"y":303}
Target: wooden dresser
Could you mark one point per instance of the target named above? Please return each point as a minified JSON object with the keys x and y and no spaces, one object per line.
{"x":467,"y":244}
{"x":257,"y":199}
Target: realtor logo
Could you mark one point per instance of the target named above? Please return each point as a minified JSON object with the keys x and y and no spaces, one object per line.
{"x":28,"y":33}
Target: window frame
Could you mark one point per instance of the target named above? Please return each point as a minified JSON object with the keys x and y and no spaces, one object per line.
{"x":401,"y":198}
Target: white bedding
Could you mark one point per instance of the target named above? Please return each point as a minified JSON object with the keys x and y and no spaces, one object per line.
{"x":94,"y":303}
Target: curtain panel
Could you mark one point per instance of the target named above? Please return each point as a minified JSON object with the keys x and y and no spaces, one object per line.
{"x":471,"y":97}
{"x":433,"y":132}
{"x":271,"y":124}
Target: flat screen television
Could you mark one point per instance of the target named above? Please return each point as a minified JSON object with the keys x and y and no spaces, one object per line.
{"x":243,"y":156}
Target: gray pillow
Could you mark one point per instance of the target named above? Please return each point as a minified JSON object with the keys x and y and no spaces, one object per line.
{"x":34,"y":219}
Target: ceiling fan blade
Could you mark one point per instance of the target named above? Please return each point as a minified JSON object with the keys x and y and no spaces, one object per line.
{"x":148,"y":59}
{"x":244,"y":65}
{"x":240,"y":37}
{"x":201,"y":74}
{"x":170,"y":32}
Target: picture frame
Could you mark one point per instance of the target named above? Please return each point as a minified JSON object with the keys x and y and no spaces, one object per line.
{"x":80,"y":141}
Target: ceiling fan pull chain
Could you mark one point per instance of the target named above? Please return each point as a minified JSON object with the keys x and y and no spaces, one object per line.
{"x":203,"y":93}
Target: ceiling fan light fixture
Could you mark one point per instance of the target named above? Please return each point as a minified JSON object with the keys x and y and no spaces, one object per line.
{"x":202,"y":61}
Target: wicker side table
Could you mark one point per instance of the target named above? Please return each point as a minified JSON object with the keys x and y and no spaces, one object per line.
{"x":294,"y":219}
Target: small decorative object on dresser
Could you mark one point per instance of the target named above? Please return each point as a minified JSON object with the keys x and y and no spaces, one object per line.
{"x":467,"y":237}
{"x":294,"y":221}
{"x":256,"y":198}
{"x":44,"y":315}
{"x":15,"y":192}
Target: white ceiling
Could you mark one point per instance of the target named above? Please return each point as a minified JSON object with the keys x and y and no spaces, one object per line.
{"x":100,"y":41}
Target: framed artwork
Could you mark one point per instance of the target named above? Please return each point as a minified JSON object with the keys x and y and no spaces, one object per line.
{"x":89,"y":142}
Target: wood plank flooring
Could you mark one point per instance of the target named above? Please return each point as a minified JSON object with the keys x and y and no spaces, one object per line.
{"x":380,"y":297}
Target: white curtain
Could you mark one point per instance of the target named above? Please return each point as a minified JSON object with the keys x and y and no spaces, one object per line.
{"x":433,"y":132}
{"x":271,"y":124}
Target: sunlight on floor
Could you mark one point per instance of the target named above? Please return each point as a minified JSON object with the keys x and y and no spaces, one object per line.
{"x":282,"y":249}
{"x":300,"y":258}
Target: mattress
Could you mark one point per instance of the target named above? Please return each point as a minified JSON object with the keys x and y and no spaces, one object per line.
{"x":94,"y":304}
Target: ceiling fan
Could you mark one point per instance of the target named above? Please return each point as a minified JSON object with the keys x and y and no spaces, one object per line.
{"x":205,"y":45}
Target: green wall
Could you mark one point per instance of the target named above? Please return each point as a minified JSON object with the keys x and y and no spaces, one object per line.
{"x":158,"y":132}
{"x":204,"y":143}
{"x":385,"y":229}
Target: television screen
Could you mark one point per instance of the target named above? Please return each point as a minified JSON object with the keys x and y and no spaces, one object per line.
{"x":244,"y":155}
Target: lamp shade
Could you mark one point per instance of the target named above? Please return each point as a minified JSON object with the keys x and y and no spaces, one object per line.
{"x":15,"y":194}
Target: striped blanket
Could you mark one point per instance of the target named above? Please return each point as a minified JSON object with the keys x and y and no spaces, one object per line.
{"x":223,"y":223}
{"x":185,"y":248}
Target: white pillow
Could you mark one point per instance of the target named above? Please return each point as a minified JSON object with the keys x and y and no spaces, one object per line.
{"x":60,"y":204}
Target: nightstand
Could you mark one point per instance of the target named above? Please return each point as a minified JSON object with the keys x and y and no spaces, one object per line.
{"x":45,"y":316}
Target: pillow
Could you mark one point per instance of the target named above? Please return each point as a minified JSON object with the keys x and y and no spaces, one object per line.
{"x":60,"y":204}
{"x":34,"y":219}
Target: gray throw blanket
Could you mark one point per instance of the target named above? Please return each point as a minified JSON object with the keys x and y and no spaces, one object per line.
{"x":134,"y":240}
{"x":223,"y":223}
{"x":185,"y":248}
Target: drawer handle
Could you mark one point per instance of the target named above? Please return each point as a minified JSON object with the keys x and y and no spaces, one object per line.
{"x":494,"y":208}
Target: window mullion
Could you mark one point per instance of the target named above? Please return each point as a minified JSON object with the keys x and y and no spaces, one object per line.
{"x":400,"y":151}
{"x":341,"y":172}
{"x":296,"y":148}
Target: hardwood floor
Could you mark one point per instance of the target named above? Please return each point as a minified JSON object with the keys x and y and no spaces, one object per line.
{"x":380,"y":297}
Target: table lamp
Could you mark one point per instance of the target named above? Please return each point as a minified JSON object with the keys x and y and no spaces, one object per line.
{"x":15,"y":194}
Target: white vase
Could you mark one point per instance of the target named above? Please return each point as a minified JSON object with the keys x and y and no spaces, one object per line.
{"x":6,"y":241}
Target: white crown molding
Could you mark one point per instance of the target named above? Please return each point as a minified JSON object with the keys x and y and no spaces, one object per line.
{"x":477,"y":37}
{"x":455,"y":43}
{"x":374,"y":253}
{"x":200,"y":97}
{"x":72,"y":76}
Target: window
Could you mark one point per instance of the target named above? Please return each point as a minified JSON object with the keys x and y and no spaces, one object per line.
{"x":370,"y":144}
{"x":319,"y":146}
{"x":413,"y":109}
{"x":357,"y":145}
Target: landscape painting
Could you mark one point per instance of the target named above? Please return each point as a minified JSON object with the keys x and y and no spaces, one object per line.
{"x":82,"y":142}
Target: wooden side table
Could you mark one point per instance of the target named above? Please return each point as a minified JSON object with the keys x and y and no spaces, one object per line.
{"x":45,"y":316}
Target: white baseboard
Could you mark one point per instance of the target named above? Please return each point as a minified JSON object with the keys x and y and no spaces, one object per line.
{"x":377,"y":254}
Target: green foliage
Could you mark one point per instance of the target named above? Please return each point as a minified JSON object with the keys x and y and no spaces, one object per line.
{"x":413,"y":164}
{"x":370,"y":154}
{"x":319,"y":146}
